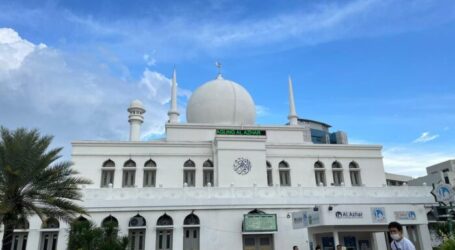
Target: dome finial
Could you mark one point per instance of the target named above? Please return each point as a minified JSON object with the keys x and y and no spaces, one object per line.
{"x":218,"y":65}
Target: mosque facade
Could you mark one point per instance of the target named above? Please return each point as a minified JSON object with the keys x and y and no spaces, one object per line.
{"x":221,"y":181}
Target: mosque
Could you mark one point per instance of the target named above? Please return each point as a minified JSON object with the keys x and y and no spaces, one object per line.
{"x":222,"y":181}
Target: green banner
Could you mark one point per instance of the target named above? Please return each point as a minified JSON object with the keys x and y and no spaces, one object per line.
{"x":246,"y":132}
{"x":259,"y":222}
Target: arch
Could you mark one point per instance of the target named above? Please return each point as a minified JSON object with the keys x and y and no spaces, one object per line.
{"x":353,"y":164}
{"x":129,"y":164}
{"x":165,"y":220}
{"x":191,"y":219}
{"x":50,"y":223}
{"x":318,"y":164}
{"x":137,"y":221}
{"x":109,"y":164}
{"x":256,"y":211}
{"x":22,"y":223}
{"x":268,"y":164}
{"x":336,"y":164}
{"x":150,"y":164}
{"x":283,"y":164}
{"x":207,"y":164}
{"x":110,"y":220}
{"x":189,"y":164}
{"x":81,"y":219}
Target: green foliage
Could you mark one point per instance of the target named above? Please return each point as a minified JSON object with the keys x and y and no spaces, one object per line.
{"x":32,"y":181}
{"x":85,"y":236}
{"x":448,"y":244}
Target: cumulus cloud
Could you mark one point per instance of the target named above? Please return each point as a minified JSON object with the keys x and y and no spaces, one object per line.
{"x":425,"y":137}
{"x":73,"y":97}
{"x":413,"y":162}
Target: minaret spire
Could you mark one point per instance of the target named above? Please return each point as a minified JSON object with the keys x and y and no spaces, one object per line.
{"x":173,"y":112}
{"x":292,"y":117}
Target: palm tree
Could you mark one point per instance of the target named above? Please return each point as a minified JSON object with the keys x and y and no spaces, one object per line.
{"x":32,"y":182}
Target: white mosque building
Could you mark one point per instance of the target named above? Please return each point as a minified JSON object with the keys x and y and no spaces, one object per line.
{"x":221,"y":181}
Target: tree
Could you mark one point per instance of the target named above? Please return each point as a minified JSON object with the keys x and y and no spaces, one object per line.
{"x":32,"y":181}
{"x":85,"y":236}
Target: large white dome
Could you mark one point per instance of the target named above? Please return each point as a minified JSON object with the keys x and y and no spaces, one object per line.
{"x":221,"y":101}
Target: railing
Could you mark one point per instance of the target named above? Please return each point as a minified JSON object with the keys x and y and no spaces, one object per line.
{"x":270,"y":196}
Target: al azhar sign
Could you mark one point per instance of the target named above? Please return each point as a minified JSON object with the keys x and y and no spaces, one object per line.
{"x":443,"y":193}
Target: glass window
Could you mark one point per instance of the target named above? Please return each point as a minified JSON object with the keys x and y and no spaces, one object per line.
{"x":319,"y":173}
{"x":207,"y":173}
{"x":337,"y":173}
{"x":354,"y":172}
{"x":269,"y":174}
{"x":149,"y":174}
{"x":285,"y":178}
{"x":189,"y":173}
{"x":107,"y":173}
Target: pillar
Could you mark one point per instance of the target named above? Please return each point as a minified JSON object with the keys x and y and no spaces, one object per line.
{"x":336,"y":238}
{"x":423,"y":237}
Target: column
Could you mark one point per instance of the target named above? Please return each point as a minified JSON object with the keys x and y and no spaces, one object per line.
{"x":423,"y":237}
{"x":177,"y":240}
{"x":62,"y":241}
{"x":379,"y":241}
{"x":150,"y":237}
{"x":336,"y":238}
{"x":33,"y":239}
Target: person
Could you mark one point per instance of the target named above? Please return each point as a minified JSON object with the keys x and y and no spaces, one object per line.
{"x":399,"y":242}
{"x":318,"y":247}
{"x":295,"y":248}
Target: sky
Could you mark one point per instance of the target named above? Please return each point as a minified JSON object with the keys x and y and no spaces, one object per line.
{"x":383,"y":71}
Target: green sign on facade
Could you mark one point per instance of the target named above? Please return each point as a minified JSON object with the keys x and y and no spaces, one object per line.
{"x":259,"y":223}
{"x":248,"y":132}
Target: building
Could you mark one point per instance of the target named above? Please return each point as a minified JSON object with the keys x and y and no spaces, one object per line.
{"x":443,"y":172}
{"x":221,"y":181}
{"x":320,"y":133}
{"x":397,"y":179}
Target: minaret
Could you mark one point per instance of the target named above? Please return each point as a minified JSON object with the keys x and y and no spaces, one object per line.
{"x":173,"y":112}
{"x":135,"y":119}
{"x":292,"y":117}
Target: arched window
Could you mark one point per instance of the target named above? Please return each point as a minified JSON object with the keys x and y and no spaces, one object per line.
{"x":354,"y":172}
{"x":164,"y":233}
{"x":107,"y":173}
{"x":149,"y":174}
{"x":285,"y":178}
{"x":189,"y":173}
{"x":319,"y":172}
{"x":208,"y":173}
{"x":49,"y":238}
{"x":337,"y":171}
{"x":191,"y":232}
{"x":136,"y":233}
{"x":269,"y":174}
{"x":129,"y":173}
{"x":20,"y":238}
{"x":50,"y":223}
{"x":110,"y":221}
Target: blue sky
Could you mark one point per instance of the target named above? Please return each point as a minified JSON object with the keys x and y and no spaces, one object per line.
{"x":381,"y":70}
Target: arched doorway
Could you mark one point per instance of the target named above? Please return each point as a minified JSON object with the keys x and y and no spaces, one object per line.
{"x":164,"y":230}
{"x":191,"y":232}
{"x":136,"y":232}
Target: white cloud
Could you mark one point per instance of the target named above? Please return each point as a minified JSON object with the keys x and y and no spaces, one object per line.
{"x":73,"y":97}
{"x":425,"y":137}
{"x":14,"y":49}
{"x":413,"y":162}
{"x":261,"y":111}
